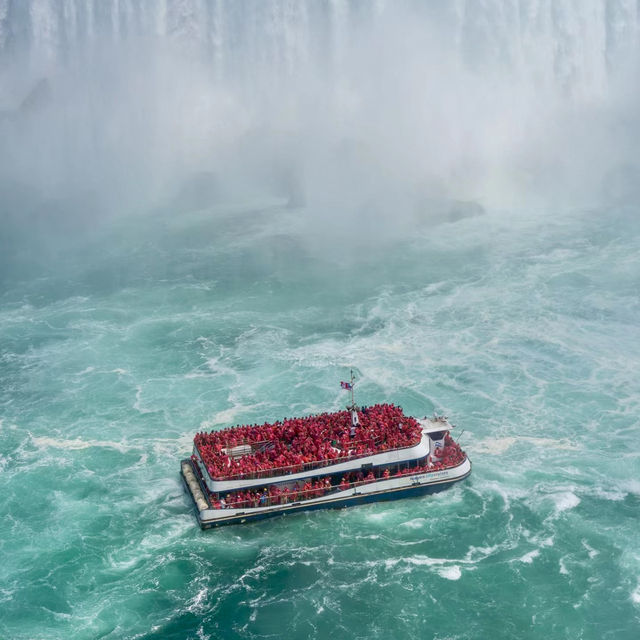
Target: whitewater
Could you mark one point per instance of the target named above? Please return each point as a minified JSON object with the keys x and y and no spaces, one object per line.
{"x":467,"y":241}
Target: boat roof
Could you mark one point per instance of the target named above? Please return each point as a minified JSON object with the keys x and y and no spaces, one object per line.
{"x":294,"y":445}
{"x":435,"y":424}
{"x":398,"y":456}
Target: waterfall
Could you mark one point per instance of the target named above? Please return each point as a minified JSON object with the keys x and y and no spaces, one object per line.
{"x":577,"y":45}
{"x":475,"y":96}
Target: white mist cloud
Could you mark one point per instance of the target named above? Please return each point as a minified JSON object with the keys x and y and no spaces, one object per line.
{"x":383,"y":110}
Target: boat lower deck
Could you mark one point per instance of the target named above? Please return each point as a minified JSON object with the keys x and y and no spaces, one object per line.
{"x":383,"y":489}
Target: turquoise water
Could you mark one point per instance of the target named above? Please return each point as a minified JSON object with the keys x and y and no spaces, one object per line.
{"x":521,"y":326}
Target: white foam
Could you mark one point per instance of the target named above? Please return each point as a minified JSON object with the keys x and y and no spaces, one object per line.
{"x":445,"y":569}
{"x":377,"y":517}
{"x":451,"y":573}
{"x":196,"y":602}
{"x":416,"y":523}
{"x":590,"y":550}
{"x":565,"y":501}
{"x":426,"y":561}
{"x":217,"y":367}
{"x":635,"y":595}
{"x":6,"y":595}
{"x":78,"y":443}
{"x":85,"y":371}
{"x":435,"y":287}
{"x":563,"y":569}
{"x":507,"y":492}
{"x":612,"y":495}
{"x":491,"y":446}
{"x":476,"y":554}
{"x":124,"y":565}
{"x":632,"y":486}
{"x":368,"y":537}
{"x":498,"y":445}
{"x":226,"y":416}
{"x":136,"y":405}
{"x":529,"y":557}
{"x":547,"y":542}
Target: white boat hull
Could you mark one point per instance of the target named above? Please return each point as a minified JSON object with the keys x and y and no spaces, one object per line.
{"x":384,"y":489}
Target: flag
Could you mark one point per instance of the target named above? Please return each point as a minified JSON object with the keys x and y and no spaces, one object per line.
{"x":346,"y":385}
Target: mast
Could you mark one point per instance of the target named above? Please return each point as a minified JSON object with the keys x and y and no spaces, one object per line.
{"x":352,"y":407}
{"x":353,"y":403}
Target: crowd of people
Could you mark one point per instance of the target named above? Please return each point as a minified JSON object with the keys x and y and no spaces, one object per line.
{"x":451,"y":454}
{"x":298,"y":444}
{"x":274,"y":495}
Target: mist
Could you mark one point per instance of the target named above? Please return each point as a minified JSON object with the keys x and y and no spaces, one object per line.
{"x":377,"y":117}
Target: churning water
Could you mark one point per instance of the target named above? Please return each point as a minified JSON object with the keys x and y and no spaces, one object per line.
{"x":125,"y":327}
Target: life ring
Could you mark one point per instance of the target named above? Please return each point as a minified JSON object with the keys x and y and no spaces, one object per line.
{"x":438,"y":453}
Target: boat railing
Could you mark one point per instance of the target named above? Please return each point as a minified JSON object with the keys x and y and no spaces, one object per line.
{"x":297,"y":495}
{"x":304,"y":466}
{"x":300,"y":495}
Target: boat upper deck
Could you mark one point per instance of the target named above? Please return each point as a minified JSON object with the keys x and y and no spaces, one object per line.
{"x":296,"y":444}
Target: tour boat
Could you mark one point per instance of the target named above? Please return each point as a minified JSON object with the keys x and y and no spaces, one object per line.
{"x":329,"y":460}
